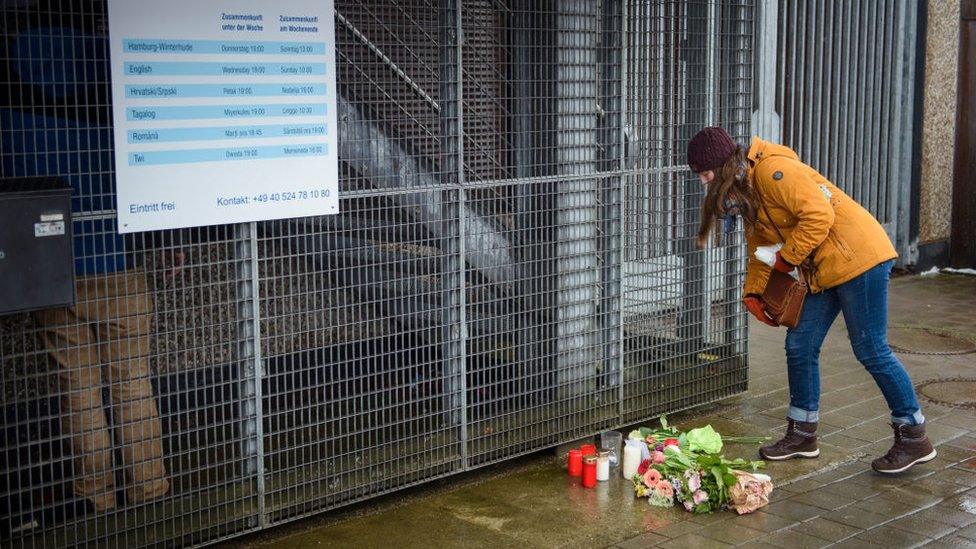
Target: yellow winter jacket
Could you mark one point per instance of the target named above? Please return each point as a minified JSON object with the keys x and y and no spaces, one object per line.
{"x":815,"y":217}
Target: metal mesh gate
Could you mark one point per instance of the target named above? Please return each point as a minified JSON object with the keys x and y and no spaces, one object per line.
{"x":513,"y":267}
{"x":838,"y":86}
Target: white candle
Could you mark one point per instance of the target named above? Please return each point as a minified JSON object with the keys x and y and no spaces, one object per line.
{"x":632,"y":458}
{"x":603,"y":466}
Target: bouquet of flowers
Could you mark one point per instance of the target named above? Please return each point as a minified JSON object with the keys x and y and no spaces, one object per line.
{"x":688,"y":469}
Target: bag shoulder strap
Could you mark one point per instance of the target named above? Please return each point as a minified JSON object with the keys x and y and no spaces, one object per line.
{"x":799,"y":270}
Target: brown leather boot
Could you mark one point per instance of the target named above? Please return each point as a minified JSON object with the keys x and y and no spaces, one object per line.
{"x":800,"y":441}
{"x":911,"y":447}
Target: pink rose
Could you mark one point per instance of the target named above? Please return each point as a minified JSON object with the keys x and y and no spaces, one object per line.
{"x":664,"y":488}
{"x":689,"y":506}
{"x":700,"y":496}
{"x":659,"y":457}
{"x":651,"y":477}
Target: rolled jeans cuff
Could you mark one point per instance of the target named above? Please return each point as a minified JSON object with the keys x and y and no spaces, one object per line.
{"x":915,"y":419}
{"x":806,"y":416}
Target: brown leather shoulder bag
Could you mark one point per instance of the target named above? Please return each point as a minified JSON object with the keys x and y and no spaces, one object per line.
{"x":784,"y":295}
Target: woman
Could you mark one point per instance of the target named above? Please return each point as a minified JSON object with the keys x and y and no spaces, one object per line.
{"x":847,"y":258}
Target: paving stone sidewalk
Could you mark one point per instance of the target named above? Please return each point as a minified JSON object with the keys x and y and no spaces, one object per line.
{"x":849,"y":506}
{"x":841,"y":502}
{"x":835,"y":500}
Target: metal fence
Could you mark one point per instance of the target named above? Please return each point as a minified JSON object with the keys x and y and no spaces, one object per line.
{"x":839,"y":87}
{"x":513,"y":267}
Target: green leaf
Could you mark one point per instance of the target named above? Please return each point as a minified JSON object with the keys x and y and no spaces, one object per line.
{"x":729,"y":479}
{"x":717,"y":473}
{"x":704,"y":439}
{"x":664,"y":422}
{"x":707,"y":461}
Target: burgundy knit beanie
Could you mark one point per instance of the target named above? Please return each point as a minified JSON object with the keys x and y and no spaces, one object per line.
{"x":709,"y":149}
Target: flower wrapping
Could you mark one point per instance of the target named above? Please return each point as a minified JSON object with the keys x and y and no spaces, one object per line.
{"x":750,"y":492}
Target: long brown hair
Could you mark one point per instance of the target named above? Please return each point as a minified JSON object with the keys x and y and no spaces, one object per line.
{"x":732,"y":181}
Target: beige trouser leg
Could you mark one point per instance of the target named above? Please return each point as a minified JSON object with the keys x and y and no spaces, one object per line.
{"x":125,"y":331}
{"x":104,"y":339}
{"x":71,"y":340}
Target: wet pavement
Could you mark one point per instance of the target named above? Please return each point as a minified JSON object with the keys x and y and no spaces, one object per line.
{"x":835,"y":500}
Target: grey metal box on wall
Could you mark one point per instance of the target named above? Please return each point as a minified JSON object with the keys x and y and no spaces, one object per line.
{"x":36,"y":264}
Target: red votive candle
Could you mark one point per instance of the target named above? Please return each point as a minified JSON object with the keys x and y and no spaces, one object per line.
{"x":588,"y":449}
{"x":575,"y":465}
{"x":589,"y":471}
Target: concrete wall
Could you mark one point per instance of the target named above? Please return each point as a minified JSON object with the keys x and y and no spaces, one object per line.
{"x":939,"y":122}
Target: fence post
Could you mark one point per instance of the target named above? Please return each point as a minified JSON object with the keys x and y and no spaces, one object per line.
{"x":736,"y":325}
{"x":249,"y":355}
{"x":621,"y":209}
{"x":765,"y":120}
{"x":611,"y":187}
{"x":453,"y":264}
{"x":713,"y":266}
{"x":576,"y":213}
{"x":693,"y":299}
{"x":907,"y":251}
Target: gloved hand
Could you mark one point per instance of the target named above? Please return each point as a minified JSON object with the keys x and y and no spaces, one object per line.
{"x":758,"y":310}
{"x":782,"y":266}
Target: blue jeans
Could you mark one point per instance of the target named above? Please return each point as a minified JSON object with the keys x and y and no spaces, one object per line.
{"x":864,"y":301}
